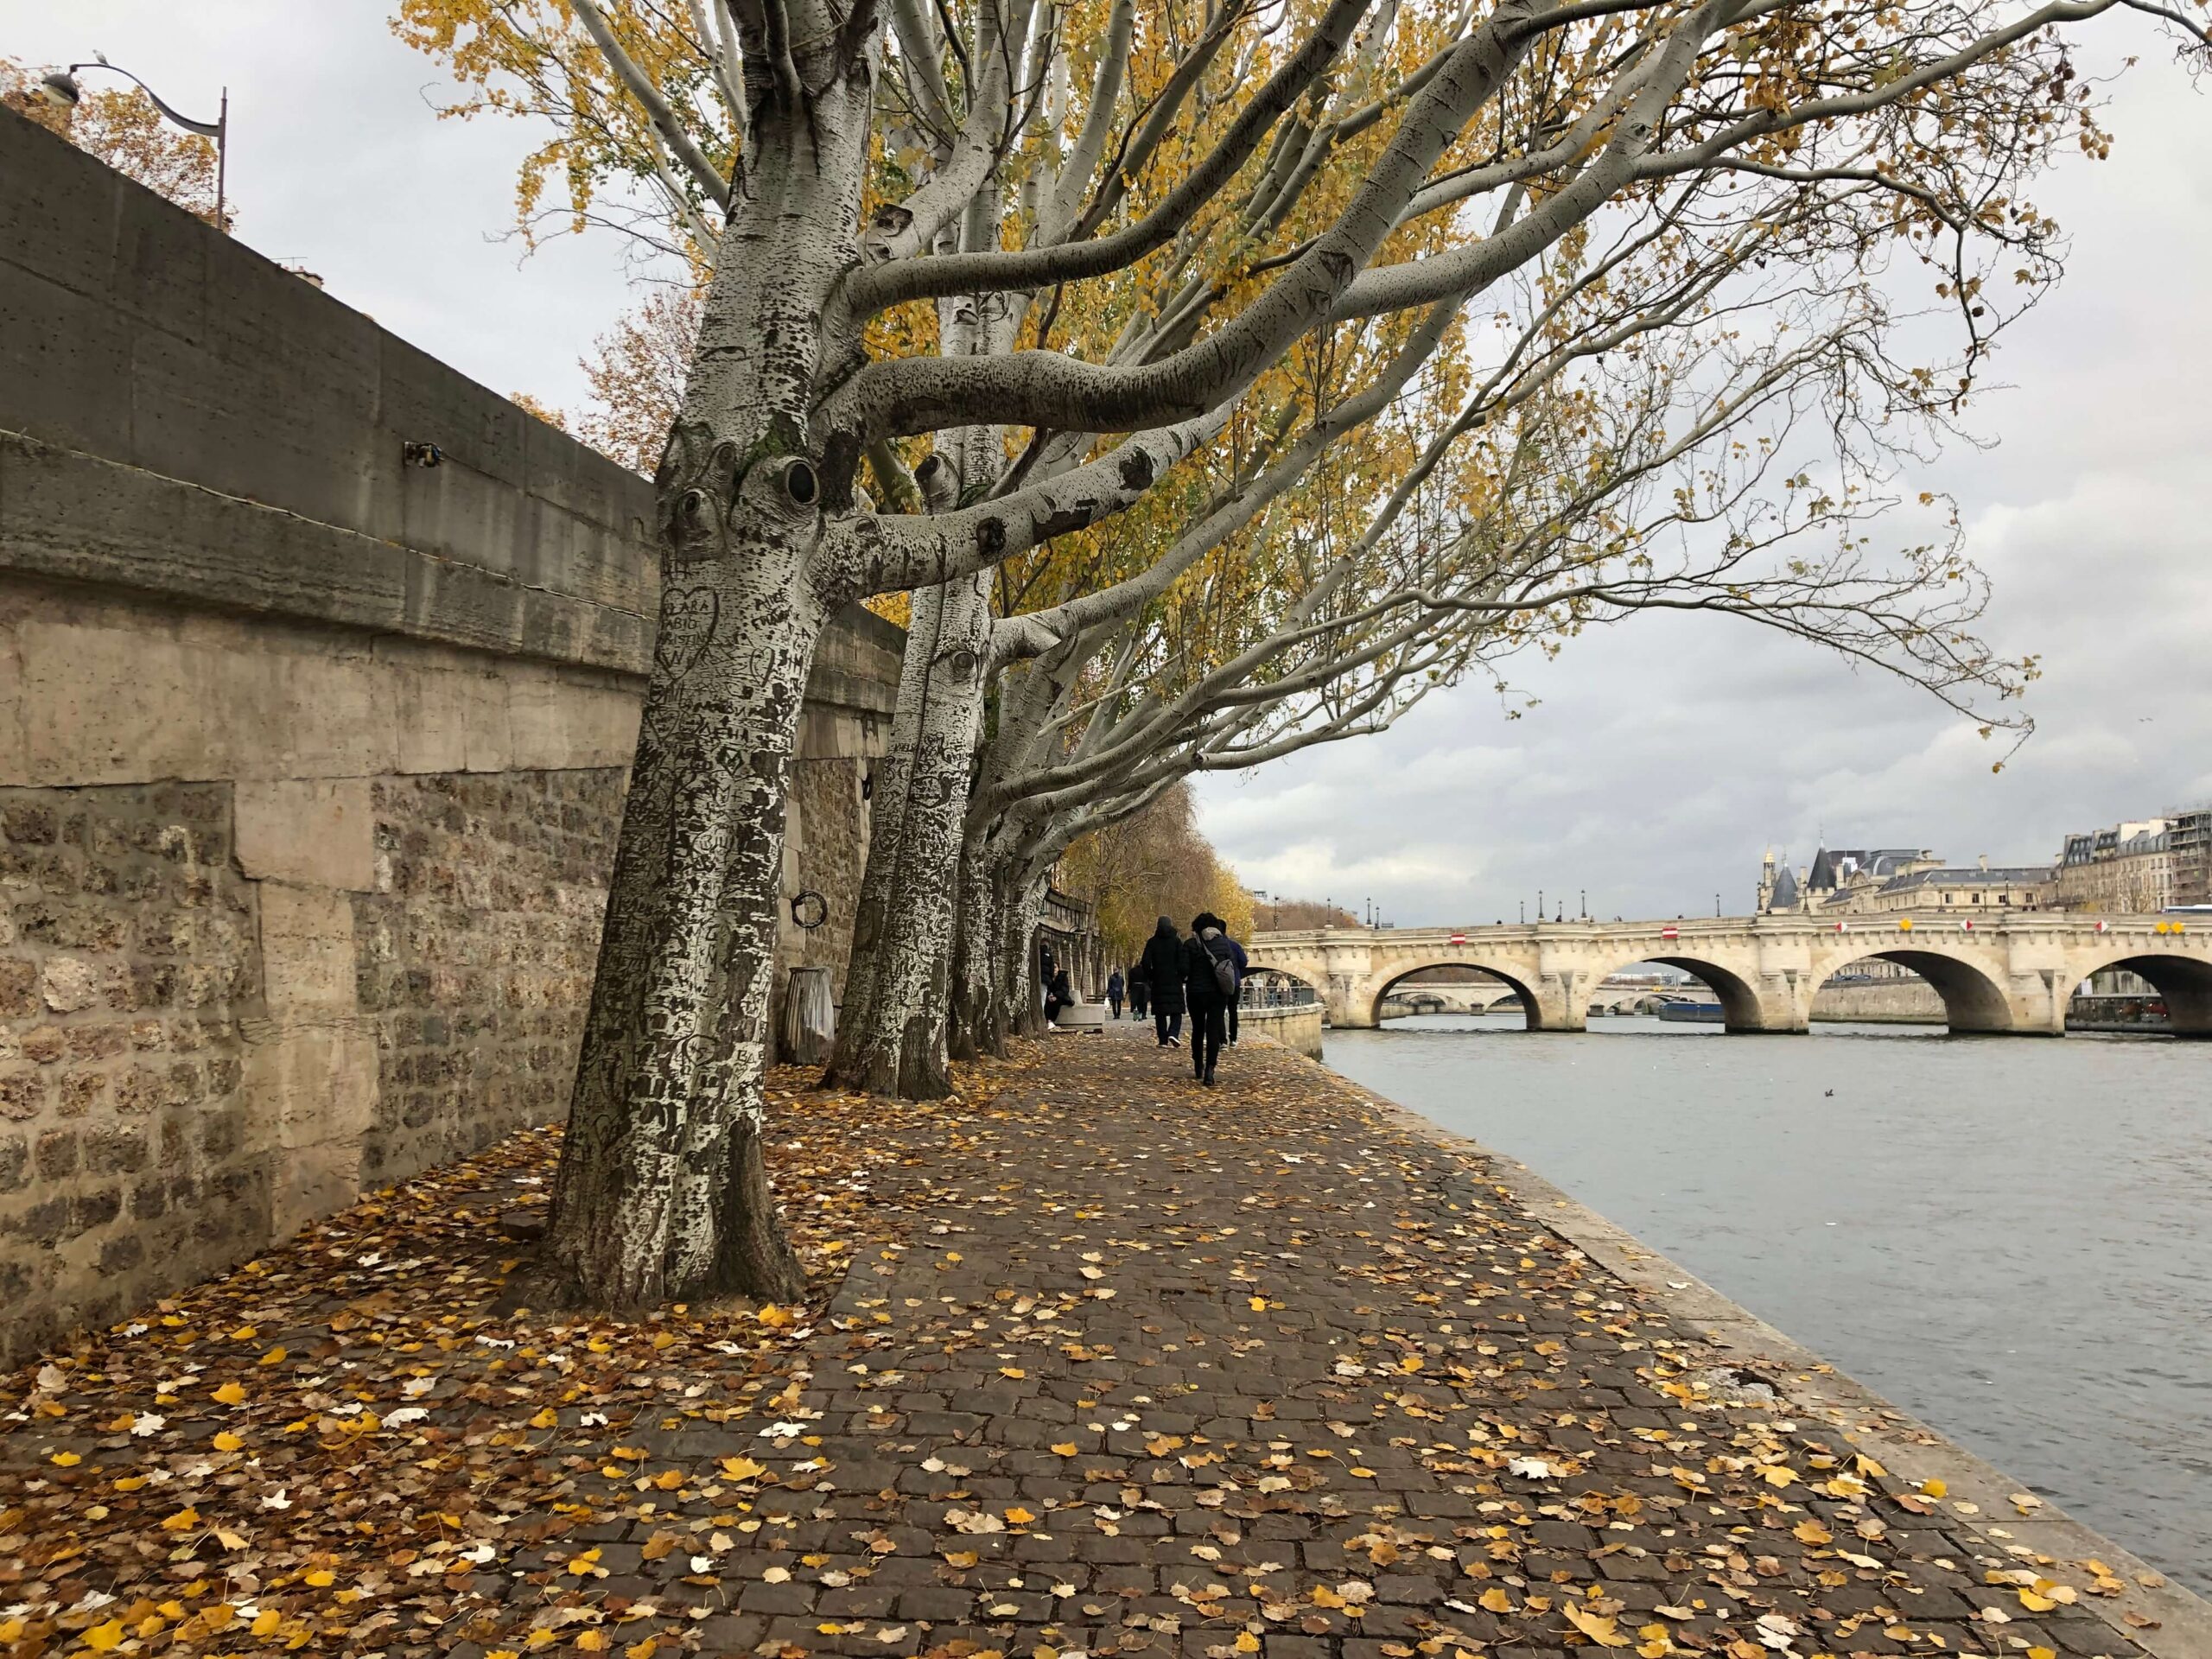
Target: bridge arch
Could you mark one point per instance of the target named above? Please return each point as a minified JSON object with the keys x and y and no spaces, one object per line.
{"x":2183,"y":983}
{"x":1973,"y":1000}
{"x":1512,"y":983}
{"x":1741,"y":1006}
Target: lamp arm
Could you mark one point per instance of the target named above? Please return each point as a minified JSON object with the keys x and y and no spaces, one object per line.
{"x":205,"y":128}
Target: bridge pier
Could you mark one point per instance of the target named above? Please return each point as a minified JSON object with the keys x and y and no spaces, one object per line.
{"x":1350,"y":1006}
{"x":1560,"y":1002}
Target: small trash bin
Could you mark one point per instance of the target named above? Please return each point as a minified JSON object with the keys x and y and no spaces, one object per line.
{"x":810,"y":1018}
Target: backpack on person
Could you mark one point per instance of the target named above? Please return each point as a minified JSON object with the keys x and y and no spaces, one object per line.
{"x":1224,"y":968}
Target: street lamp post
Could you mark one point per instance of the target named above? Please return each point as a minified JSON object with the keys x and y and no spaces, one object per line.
{"x":61,"y":88}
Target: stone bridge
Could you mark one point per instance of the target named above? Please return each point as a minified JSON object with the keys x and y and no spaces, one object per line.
{"x":2007,"y":974}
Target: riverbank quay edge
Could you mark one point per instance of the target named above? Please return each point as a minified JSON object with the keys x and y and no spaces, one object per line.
{"x":1098,"y":1361}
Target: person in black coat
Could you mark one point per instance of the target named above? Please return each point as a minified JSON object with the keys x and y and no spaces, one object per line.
{"x":1243,"y":966}
{"x":1140,"y":992}
{"x":1207,"y":960}
{"x":1114,"y":992}
{"x":1162,"y":963}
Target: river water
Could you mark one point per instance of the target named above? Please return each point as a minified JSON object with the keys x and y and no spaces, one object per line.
{"x":2010,"y":1238}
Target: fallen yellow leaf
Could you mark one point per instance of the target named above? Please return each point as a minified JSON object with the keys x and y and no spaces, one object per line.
{"x":227,"y":1441}
{"x":231,"y":1394}
{"x":1598,"y":1627}
{"x":1495,"y":1600}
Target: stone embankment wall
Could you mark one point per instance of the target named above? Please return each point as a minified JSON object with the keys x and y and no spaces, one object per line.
{"x":1884,"y":1001}
{"x":311,"y":759}
{"x":1297,"y":1028}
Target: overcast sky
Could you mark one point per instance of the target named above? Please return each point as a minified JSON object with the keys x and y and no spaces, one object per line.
{"x":1665,"y":754}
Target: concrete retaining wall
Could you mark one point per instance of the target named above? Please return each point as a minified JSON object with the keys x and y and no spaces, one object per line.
{"x":311,"y":761}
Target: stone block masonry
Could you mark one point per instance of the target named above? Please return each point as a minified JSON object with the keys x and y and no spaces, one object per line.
{"x":471,"y":954}
{"x":128,"y":1160}
{"x":311,"y":761}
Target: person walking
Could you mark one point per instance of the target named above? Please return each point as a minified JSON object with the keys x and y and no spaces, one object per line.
{"x":1140,"y":992}
{"x":1243,"y":966}
{"x":1163,"y":972}
{"x":1114,"y":992}
{"x":1210,"y":987}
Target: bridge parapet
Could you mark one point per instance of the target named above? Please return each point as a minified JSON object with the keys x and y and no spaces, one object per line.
{"x":2008,"y":974}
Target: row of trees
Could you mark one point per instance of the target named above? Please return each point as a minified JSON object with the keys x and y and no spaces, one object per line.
{"x":1219,"y":377}
{"x":1152,"y":863}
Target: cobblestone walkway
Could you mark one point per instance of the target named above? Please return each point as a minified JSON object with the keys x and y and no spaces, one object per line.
{"x":1121,"y":1366}
{"x":1253,"y":1370}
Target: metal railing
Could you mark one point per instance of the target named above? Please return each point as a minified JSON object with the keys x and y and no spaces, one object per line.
{"x":1264,"y":991}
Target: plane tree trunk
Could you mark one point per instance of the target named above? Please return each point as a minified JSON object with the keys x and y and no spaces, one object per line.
{"x":892,"y":1031}
{"x":662,"y":1194}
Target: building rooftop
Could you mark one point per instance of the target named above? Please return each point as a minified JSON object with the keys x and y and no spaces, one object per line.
{"x":2013,"y":876}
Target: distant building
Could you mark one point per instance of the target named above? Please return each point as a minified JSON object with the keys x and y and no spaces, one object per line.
{"x":1862,"y":881}
{"x":2138,"y":867}
{"x":2192,"y":851}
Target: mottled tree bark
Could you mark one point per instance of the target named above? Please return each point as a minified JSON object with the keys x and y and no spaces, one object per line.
{"x":892,"y":1036}
{"x":662,"y":1192}
{"x":973,"y":1032}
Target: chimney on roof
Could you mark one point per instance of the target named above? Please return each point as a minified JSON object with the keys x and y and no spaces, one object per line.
{"x":1984,"y":860}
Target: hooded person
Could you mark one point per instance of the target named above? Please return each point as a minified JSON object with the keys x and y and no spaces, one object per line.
{"x":1162,"y":966}
{"x":1210,"y":988}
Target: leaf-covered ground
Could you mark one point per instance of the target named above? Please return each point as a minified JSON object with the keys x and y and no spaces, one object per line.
{"x":1099,"y":1363}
